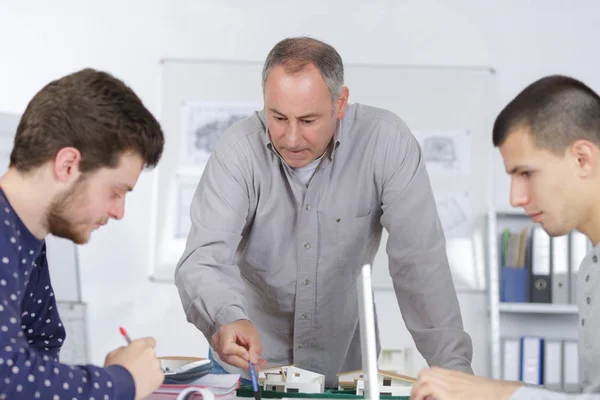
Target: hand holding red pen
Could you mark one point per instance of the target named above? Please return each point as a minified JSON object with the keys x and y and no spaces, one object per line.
{"x":139,"y":358}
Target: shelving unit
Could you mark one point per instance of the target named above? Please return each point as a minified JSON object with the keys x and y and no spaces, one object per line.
{"x":537,"y":308}
{"x":513,"y":320}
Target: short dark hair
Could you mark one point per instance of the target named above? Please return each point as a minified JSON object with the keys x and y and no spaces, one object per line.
{"x":93,"y":112}
{"x":555,"y":110}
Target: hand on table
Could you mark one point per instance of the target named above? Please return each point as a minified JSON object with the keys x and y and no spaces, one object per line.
{"x":443,"y":384}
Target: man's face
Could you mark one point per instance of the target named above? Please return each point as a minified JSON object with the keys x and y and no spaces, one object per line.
{"x":93,"y":199}
{"x":545,"y":185}
{"x":301,"y":116}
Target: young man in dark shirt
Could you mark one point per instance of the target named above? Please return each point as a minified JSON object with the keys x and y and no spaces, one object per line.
{"x":79,"y":148}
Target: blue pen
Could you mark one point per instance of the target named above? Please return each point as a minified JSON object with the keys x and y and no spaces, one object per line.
{"x":254,"y":381}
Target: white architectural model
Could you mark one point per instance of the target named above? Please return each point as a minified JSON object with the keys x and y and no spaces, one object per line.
{"x":390,"y":384}
{"x":291,"y":379}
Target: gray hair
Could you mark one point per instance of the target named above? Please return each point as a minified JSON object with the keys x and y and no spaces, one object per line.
{"x":296,"y":53}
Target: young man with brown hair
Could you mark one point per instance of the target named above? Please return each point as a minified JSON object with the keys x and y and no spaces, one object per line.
{"x":79,"y":148}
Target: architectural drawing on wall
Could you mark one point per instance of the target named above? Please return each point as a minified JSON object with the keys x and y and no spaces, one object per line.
{"x":203,"y":124}
{"x":462,"y":241}
{"x":185,"y":189}
{"x":451,"y":213}
{"x":454,"y":209}
{"x":440,"y":149}
{"x":446,"y":152}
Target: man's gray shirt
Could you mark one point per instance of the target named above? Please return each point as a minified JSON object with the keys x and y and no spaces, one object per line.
{"x":588,"y":302}
{"x":266,"y":247}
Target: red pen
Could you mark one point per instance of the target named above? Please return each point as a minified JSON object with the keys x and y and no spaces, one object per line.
{"x":125,"y":335}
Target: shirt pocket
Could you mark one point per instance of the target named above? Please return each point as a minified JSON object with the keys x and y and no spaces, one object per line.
{"x":351,"y":240}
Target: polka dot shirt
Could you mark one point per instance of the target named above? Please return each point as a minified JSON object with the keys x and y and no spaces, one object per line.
{"x":31,"y":331}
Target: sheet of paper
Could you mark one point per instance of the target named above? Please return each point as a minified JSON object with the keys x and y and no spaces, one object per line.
{"x":462,"y":241}
{"x":454,"y":209}
{"x":203,"y":123}
{"x":446,"y":152}
{"x":185,"y":187}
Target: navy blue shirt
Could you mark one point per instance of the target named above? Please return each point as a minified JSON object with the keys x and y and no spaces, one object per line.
{"x":31,"y":331}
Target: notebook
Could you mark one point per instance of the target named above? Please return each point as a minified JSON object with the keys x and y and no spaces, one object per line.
{"x":208,"y":387}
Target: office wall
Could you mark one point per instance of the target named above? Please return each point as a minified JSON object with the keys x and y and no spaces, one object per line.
{"x":43,"y":40}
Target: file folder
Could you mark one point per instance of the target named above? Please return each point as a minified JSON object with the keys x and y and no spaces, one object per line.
{"x":553,"y":364}
{"x":579,"y":249}
{"x":560,"y":270}
{"x":540,"y":266}
{"x":512,"y":359}
{"x":571,"y":367}
{"x":532,"y":355}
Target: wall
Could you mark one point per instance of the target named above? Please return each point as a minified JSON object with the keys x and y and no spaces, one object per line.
{"x":40,"y":41}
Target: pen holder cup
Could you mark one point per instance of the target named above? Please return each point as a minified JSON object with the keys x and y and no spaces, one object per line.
{"x":514,"y":285}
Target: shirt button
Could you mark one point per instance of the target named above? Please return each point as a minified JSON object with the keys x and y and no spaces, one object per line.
{"x":307,"y":245}
{"x":304,"y":316}
{"x":300,"y":345}
{"x":305,"y":282}
{"x":587,"y":278}
{"x":595,"y":258}
{"x":582,"y":321}
{"x":588,"y":300}
{"x":308,"y":206}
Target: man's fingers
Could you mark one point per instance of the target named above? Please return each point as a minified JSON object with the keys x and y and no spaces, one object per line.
{"x":237,"y":344}
{"x":236,"y":362}
{"x":145,"y":342}
{"x":422,"y":388}
{"x":234,"y":349}
{"x":224,"y":341}
{"x":254,"y":357}
{"x":255,"y":348}
{"x":421,"y":391}
{"x":262,"y":364}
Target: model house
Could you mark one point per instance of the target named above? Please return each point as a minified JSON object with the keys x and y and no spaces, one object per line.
{"x":291,"y":379}
{"x":390,"y":384}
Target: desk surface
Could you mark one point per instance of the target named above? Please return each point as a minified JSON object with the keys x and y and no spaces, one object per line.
{"x":165,"y":396}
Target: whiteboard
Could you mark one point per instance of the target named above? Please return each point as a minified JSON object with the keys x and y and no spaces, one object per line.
{"x":448,"y":108}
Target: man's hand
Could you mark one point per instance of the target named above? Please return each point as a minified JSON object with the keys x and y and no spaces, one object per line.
{"x":140,"y":360}
{"x":442,"y":384}
{"x":237,"y":343}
